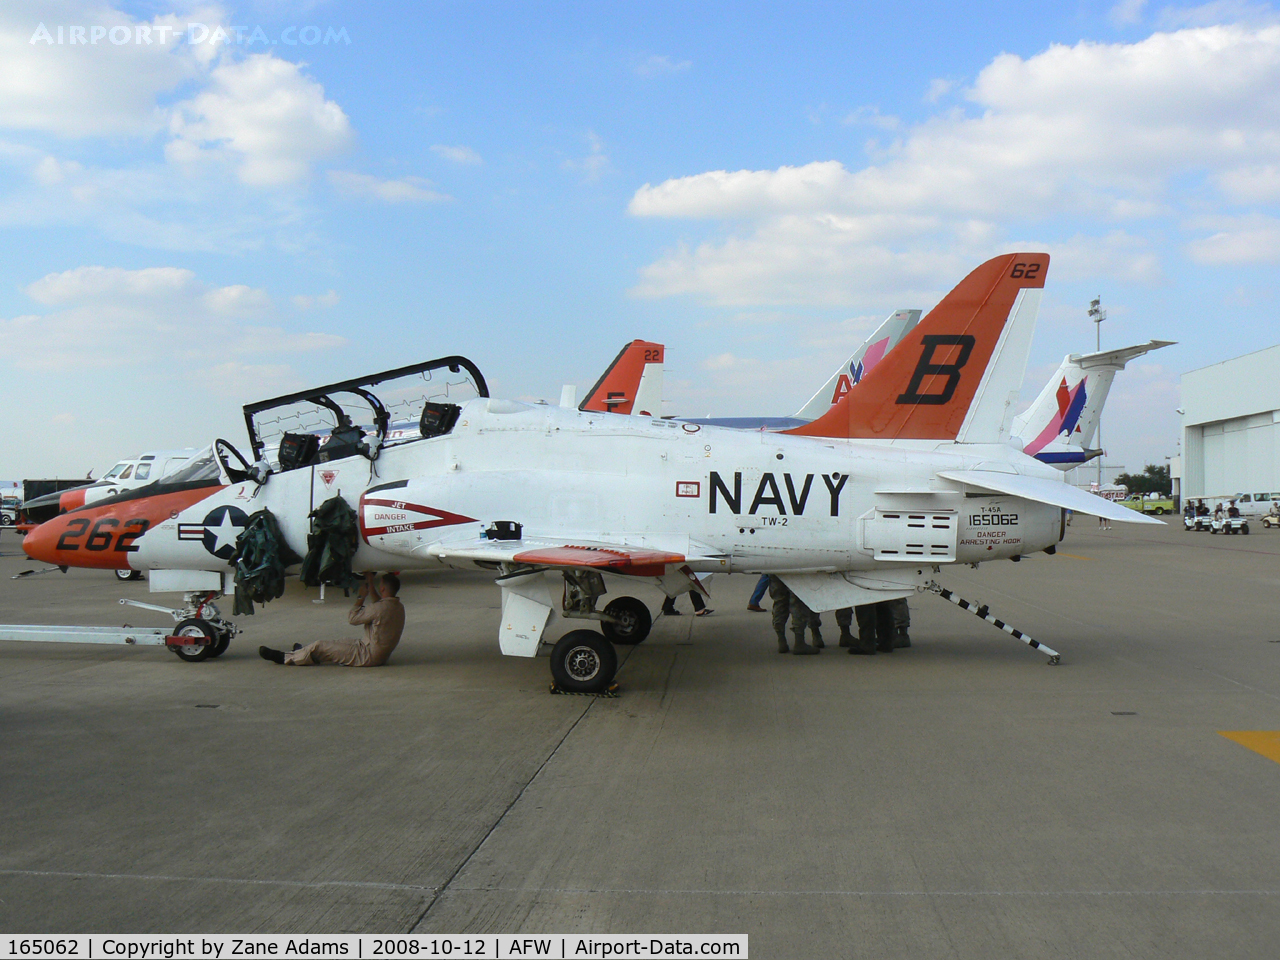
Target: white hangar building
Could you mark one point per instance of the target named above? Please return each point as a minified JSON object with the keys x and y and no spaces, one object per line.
{"x":1231,"y":427}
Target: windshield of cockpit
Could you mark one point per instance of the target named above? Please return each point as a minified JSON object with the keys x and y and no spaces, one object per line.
{"x":203,"y":466}
{"x":116,"y":471}
{"x":360,"y":418}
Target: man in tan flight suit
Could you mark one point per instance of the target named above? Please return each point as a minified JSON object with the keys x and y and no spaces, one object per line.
{"x":383,"y":621}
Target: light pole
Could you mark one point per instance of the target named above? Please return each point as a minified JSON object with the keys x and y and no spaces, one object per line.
{"x":1097,"y":315}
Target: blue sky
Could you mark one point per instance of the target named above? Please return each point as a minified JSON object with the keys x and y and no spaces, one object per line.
{"x":196,"y":223}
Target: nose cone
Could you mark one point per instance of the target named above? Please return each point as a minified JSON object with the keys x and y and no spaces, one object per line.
{"x":106,"y":535}
{"x":41,"y":542}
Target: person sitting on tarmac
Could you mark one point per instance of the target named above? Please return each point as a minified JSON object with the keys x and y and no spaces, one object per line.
{"x":1233,"y":510}
{"x":383,"y":622}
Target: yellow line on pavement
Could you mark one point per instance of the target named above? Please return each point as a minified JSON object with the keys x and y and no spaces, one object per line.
{"x":1265,"y":742}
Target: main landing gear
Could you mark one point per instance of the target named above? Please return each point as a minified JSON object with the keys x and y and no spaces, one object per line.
{"x":583,"y":661}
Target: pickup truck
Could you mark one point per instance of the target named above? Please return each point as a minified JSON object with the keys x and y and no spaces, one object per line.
{"x":1149,"y":503}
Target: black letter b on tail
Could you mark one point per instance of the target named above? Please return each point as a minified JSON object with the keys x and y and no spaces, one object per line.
{"x":926,"y":367}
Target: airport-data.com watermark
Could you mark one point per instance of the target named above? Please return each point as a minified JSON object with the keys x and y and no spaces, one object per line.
{"x":193,"y":34}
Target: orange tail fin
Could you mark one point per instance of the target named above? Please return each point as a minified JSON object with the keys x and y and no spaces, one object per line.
{"x":924,"y":388}
{"x":632,"y":383}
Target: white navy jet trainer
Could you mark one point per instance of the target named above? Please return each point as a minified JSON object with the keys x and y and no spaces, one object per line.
{"x":909,"y":472}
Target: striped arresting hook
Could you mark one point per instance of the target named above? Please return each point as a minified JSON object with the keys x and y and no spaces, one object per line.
{"x":981,"y":612}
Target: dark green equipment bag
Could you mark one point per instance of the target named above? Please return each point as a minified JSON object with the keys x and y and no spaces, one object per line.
{"x":331,"y":545}
{"x":260,"y":559}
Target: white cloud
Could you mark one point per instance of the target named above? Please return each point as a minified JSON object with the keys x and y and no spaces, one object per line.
{"x":1219,"y":11}
{"x":237,"y":300}
{"x":1127,"y":12}
{"x":595,"y":163}
{"x":236,"y":379}
{"x":252,"y":121}
{"x":110,"y":316}
{"x":264,"y":116}
{"x":306,"y":302}
{"x":90,"y":89}
{"x":1238,"y":240}
{"x":459,"y":154}
{"x":1095,"y":132}
{"x":661,"y":65}
{"x":938,"y":88}
{"x":871,"y":116}
{"x":746,"y":193}
{"x":826,"y":260}
{"x":112,"y":285}
{"x":149,"y":204}
{"x":1255,"y":184}
{"x":1071,"y":126}
{"x":1117,"y":255}
{"x":406,"y":189}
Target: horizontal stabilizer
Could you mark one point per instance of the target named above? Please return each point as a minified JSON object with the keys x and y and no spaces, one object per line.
{"x":1118,"y":358}
{"x":1060,"y":425}
{"x":1053,"y":492}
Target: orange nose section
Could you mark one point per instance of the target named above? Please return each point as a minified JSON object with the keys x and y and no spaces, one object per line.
{"x":104,"y":537}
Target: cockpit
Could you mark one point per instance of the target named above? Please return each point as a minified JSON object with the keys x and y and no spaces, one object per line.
{"x":358,"y":417}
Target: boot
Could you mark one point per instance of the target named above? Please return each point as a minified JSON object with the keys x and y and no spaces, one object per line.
{"x":865,"y":616}
{"x":817,"y":639}
{"x":884,"y":628}
{"x":900,"y":639}
{"x":782,"y":643}
{"x":846,"y":638}
{"x":865,"y":646}
{"x":799,"y":648}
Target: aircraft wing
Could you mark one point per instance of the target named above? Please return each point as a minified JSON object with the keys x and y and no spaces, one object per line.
{"x":545,"y":552}
{"x":1052,"y":492}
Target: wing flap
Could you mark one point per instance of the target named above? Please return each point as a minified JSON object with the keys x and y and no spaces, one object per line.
{"x":1053,"y":492}
{"x":546,"y":552}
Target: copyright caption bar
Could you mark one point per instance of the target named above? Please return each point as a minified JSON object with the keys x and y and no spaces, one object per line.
{"x":362,"y":947}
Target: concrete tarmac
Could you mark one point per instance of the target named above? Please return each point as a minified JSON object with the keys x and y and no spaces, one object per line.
{"x":959,"y":799}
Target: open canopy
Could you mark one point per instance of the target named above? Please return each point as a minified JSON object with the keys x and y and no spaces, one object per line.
{"x":395,"y":406}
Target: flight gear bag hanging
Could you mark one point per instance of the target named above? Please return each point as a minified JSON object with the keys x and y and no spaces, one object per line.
{"x":331,"y":545}
{"x":260,"y":560}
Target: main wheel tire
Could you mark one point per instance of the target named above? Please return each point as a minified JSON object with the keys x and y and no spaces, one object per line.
{"x":634,"y":618}
{"x":126,"y":575}
{"x":195,"y":627}
{"x":583,"y":661}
